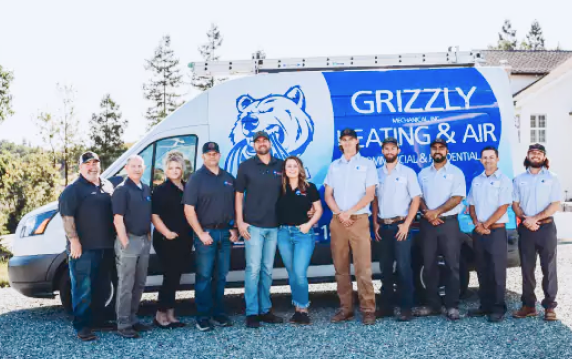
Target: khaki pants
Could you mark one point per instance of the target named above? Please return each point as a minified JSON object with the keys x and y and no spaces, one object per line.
{"x":358,"y":239}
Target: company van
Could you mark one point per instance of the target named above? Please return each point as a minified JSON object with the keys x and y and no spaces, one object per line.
{"x":304,"y":112}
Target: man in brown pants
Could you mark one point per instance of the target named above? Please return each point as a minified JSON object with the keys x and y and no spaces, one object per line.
{"x":350,"y":188}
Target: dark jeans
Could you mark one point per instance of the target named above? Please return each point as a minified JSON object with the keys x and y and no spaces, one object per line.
{"x":90,"y":284}
{"x":444,"y":239}
{"x":174,"y":255}
{"x":491,"y":261}
{"x":393,"y":251}
{"x":212,"y":262}
{"x":543,"y":242}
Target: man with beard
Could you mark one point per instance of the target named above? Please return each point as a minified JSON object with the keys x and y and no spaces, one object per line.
{"x":394,"y":209}
{"x":489,"y":198}
{"x":443,"y":186}
{"x":350,"y":188}
{"x":258,"y":183}
{"x":536,"y":198}
{"x":85,"y":207}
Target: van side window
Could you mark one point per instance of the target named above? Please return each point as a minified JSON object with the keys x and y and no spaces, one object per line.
{"x":187,"y":145}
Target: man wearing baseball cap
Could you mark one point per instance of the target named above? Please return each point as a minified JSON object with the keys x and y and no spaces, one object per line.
{"x":536,"y":198}
{"x":394,"y":209}
{"x":350,"y":188}
{"x":443,"y":188}
{"x":209,"y":208}
{"x":85,"y":207}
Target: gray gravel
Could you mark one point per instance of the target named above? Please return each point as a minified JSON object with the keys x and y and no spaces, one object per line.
{"x":34,"y":328}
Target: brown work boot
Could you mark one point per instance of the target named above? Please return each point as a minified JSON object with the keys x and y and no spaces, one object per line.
{"x":525,"y":311}
{"x":550,"y":315}
{"x":342,"y":316}
{"x":368,"y":318}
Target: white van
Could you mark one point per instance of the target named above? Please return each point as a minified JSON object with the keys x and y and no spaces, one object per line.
{"x":304,"y":112}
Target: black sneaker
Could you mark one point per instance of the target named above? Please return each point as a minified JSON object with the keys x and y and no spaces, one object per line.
{"x":295,"y":318}
{"x":140,"y":327}
{"x":222,"y":321}
{"x":270,"y":318}
{"x":300,"y":318}
{"x":252,"y":321}
{"x":86,"y":335}
{"x":128,"y":333}
{"x":204,"y":325}
{"x":405,"y":316}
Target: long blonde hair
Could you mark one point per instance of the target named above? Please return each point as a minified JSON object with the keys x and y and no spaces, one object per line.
{"x":302,"y":183}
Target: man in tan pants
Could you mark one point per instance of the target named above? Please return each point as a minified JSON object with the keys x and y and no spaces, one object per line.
{"x":350,"y":188}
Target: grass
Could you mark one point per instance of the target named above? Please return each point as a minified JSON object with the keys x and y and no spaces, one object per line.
{"x":4,"y":273}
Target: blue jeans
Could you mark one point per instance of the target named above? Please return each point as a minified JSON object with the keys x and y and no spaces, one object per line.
{"x":260,"y":250}
{"x":90,"y":276}
{"x":210,"y":300}
{"x":296,"y":249}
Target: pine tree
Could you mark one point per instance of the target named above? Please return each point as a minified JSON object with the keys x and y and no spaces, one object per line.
{"x":6,"y":77}
{"x":507,"y":38}
{"x":534,"y":38}
{"x":162,"y":88}
{"x":208,"y":53}
{"x":106,"y":131}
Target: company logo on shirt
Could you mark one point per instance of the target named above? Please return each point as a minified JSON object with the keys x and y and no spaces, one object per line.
{"x":300,"y":193}
{"x":276,"y":173}
{"x":148,"y":198}
{"x":226,"y":183}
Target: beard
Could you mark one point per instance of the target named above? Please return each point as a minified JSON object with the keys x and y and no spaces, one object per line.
{"x":263,"y":150}
{"x":438,"y":158}
{"x":536,"y":164}
{"x":390,"y":158}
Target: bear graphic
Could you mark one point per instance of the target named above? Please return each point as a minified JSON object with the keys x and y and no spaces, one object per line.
{"x":282,"y":116}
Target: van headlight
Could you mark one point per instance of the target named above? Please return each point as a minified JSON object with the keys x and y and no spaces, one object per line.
{"x":37,"y":224}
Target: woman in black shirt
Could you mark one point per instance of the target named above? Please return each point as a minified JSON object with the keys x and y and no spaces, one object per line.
{"x":172,"y":237}
{"x":295,"y":235}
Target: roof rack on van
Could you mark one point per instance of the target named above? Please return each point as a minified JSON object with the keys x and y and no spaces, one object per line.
{"x":338,"y":63}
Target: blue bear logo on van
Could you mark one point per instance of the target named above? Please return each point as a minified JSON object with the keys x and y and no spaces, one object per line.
{"x":282,"y":116}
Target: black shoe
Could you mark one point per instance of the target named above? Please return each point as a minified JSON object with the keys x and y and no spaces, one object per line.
{"x":104,"y":327}
{"x":86,"y":335}
{"x":453,"y":314}
{"x":222,"y":321}
{"x":159,"y":325}
{"x":140,"y":327}
{"x":496,"y":317}
{"x":252,"y":321}
{"x":384,"y":313}
{"x":475,"y":313}
{"x":204,"y":324}
{"x":270,"y":318}
{"x":426,"y":312}
{"x":301,"y":318}
{"x":176,"y":325}
{"x":128,"y":333}
{"x":405,"y":316}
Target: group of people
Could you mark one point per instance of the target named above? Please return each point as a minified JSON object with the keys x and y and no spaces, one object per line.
{"x":272,"y":204}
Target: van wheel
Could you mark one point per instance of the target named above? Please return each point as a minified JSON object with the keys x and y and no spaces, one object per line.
{"x":64,"y":288}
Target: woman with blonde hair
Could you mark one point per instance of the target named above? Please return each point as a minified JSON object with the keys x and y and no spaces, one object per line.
{"x":172,"y":237}
{"x":295,"y":235}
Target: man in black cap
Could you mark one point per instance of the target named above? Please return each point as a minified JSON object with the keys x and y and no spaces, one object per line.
{"x":443,"y":187}
{"x":85,"y":207}
{"x":536,"y":198}
{"x":258,"y":184}
{"x":209,"y":208}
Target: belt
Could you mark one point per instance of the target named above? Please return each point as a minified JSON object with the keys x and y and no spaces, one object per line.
{"x":497,"y":226}
{"x":217,"y":226}
{"x":390,"y":220}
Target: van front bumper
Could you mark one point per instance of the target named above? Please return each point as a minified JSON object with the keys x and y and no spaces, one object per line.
{"x":31,"y":275}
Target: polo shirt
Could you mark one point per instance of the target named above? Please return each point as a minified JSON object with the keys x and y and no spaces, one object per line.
{"x":212,"y":196}
{"x":396,"y":190}
{"x":536,"y":192}
{"x":167,"y":203}
{"x":440,"y":185}
{"x":134,"y":204}
{"x":260,"y":184}
{"x":349,"y":180}
{"x":293,"y":205}
{"x":90,"y":206}
{"x":488,"y":193}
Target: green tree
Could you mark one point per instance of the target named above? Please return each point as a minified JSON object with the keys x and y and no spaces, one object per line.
{"x":6,"y":78}
{"x":534,"y":39}
{"x":208,"y":52}
{"x":49,"y":129}
{"x":106,"y":131}
{"x":162,"y":88}
{"x":507,"y":38}
{"x":68,"y":124}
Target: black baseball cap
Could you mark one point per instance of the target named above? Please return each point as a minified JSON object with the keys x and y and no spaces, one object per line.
{"x":88,"y":156}
{"x":389,"y":140}
{"x":537,"y":147}
{"x":348,"y":132}
{"x":210,"y":147}
{"x":259,"y":134}
{"x":439,"y":140}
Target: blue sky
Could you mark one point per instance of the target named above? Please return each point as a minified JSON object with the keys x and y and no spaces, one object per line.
{"x":100,"y":47}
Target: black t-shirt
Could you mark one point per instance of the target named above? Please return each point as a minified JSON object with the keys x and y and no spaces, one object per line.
{"x":260,"y":184}
{"x":212,"y":196}
{"x":293,"y":206}
{"x":134,"y":204}
{"x":167,"y":203}
{"x":90,"y":206}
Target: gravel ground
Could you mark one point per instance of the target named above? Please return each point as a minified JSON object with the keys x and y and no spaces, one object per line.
{"x":32,"y":328}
